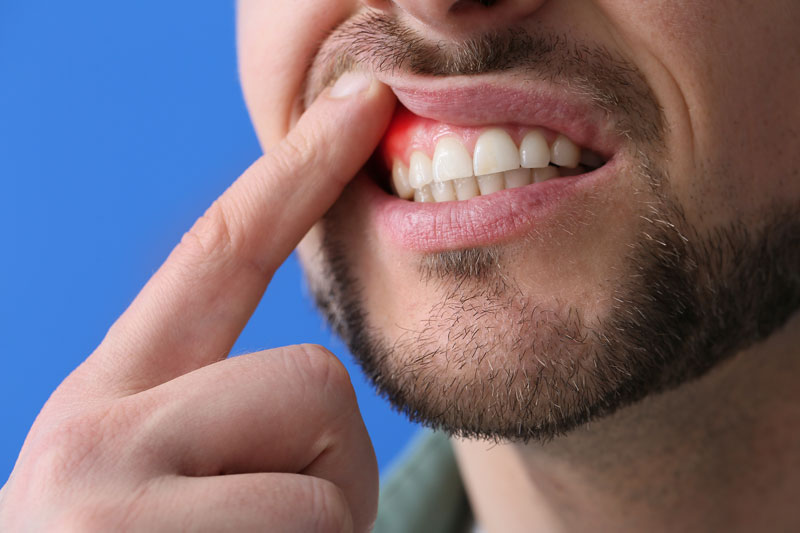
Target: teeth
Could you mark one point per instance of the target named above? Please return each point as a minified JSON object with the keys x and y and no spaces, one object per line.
{"x":451,"y":160}
{"x":495,"y":151}
{"x":534,"y":152}
{"x":491,"y":183}
{"x":497,"y":165}
{"x":420,"y":170}
{"x":423,"y":194}
{"x":466,"y":188}
{"x":443,"y":191}
{"x":565,"y":153}
{"x":517,"y":178}
{"x":544,"y":174}
{"x":400,"y":181}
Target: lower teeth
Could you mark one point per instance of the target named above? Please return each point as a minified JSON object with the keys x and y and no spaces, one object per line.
{"x":466,"y":188}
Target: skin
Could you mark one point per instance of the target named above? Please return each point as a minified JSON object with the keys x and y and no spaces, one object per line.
{"x":695,"y":458}
{"x":124,"y":442}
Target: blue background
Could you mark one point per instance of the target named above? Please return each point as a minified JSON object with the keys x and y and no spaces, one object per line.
{"x":120,"y":122}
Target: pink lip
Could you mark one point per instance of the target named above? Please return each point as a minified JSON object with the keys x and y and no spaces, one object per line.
{"x":527,"y":103}
{"x":480,"y":221}
{"x":508,"y":214}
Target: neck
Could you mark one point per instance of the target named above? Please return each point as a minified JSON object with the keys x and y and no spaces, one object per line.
{"x":721,"y":453}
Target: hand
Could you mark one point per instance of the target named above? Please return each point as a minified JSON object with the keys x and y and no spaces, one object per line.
{"x":157,"y":431}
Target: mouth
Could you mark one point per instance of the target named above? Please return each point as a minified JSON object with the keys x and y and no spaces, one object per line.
{"x":429,"y":161}
{"x":464,"y":165}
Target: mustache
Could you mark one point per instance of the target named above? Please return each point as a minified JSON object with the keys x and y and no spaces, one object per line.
{"x":380,"y":42}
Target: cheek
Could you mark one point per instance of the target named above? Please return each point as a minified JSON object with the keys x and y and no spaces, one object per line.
{"x":277,"y":41}
{"x":727,"y":79}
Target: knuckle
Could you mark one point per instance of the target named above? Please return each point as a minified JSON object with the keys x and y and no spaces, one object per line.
{"x":61,"y":460}
{"x":76,"y":447}
{"x":326,"y":372}
{"x":306,"y":151}
{"x":296,"y":151}
{"x":58,"y":451}
{"x":210,"y":234}
{"x":217,"y":235}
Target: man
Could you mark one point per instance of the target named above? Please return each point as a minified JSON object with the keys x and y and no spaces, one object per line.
{"x":575,"y":249}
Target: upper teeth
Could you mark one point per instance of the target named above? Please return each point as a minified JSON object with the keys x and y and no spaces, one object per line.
{"x":564,"y":153}
{"x":495,"y":151}
{"x":451,"y":160}
{"x":420,"y":170}
{"x":497,"y":163}
{"x":533,"y":151}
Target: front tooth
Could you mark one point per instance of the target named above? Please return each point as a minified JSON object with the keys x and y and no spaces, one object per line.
{"x":400,"y":181}
{"x":451,"y":160}
{"x":533,"y":151}
{"x":495,"y":151}
{"x":466,"y":188}
{"x":565,"y":153}
{"x":491,"y":183}
{"x":517,"y":178}
{"x":420,"y":170}
{"x":544,"y":174}
{"x":443,"y":191}
{"x":424,"y":194}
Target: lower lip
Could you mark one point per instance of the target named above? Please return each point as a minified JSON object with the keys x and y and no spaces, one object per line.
{"x":481,"y":221}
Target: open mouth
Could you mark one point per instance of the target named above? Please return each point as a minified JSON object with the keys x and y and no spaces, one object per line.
{"x":467,"y":163}
{"x":430,"y":161}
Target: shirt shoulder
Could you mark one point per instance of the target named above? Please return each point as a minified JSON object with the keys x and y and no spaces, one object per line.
{"x":423,"y":490}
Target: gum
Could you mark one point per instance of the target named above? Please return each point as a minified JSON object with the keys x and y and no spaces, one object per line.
{"x":408,"y":132}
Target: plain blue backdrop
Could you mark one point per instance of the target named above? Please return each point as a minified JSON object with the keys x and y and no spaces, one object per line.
{"x":120,"y":122}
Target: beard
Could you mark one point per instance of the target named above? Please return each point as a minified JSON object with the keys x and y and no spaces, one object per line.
{"x":493,"y":362}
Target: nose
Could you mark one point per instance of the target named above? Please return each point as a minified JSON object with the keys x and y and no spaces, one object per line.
{"x":462,"y":16}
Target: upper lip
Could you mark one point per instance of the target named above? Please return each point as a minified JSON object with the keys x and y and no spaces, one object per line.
{"x":499,"y":99}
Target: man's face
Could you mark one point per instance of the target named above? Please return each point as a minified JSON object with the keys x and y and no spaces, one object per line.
{"x":526,"y":311}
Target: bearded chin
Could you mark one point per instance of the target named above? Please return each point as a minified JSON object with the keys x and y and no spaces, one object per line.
{"x":490,"y":362}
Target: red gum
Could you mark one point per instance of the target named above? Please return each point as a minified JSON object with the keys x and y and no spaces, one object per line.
{"x":476,"y":104}
{"x":408,"y":133}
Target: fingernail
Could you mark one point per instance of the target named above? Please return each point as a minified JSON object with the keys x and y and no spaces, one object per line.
{"x":349,"y":84}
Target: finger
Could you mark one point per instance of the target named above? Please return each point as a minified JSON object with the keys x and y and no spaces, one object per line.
{"x":192,"y":310}
{"x":285,"y":410}
{"x":272,"y":502}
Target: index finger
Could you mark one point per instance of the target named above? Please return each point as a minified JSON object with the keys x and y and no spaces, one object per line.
{"x":192,"y":310}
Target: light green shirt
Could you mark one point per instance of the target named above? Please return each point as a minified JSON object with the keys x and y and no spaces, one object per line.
{"x":423,"y":492}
